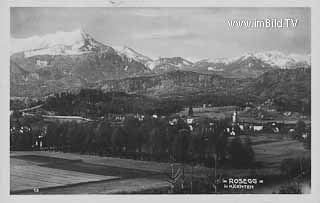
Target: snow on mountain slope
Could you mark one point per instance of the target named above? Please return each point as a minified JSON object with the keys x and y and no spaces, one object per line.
{"x":158,"y":65}
{"x":60,"y":43}
{"x":79,"y":42}
{"x":303,"y":58}
{"x":221,"y":60}
{"x":132,"y":54}
{"x":169,"y":64}
{"x":272,"y":58}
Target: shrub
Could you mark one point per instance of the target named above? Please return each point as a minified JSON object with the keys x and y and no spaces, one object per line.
{"x":241,"y":154}
{"x":296,"y":167}
{"x":291,"y":188}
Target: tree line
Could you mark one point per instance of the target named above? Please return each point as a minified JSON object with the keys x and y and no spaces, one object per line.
{"x":96,"y":103}
{"x":151,"y":139}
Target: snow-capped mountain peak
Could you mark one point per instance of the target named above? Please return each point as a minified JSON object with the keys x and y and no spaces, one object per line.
{"x":59,"y":43}
{"x":272,"y":58}
{"x":277,"y":58}
{"x":222,"y":60}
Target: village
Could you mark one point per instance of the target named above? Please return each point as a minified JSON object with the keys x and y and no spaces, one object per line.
{"x":206,"y":116}
{"x":236,"y":126}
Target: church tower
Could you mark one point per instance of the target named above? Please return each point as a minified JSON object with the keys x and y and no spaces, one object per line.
{"x":234,"y":117}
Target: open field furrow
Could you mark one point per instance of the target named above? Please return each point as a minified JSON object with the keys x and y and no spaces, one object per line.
{"x":59,"y":174}
{"x":29,"y":176}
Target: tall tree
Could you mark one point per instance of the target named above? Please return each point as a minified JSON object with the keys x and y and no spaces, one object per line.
{"x":190,"y":112}
{"x":119,"y":140}
{"x":300,"y":128}
{"x":131,"y":128}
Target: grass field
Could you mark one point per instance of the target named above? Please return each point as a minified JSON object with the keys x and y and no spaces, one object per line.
{"x":72,"y":173}
{"x":28,"y":176}
{"x":211,"y":112}
{"x":270,"y":150}
{"x":64,"y":173}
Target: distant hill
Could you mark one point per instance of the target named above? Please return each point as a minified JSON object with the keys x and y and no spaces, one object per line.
{"x":286,"y":89}
{"x":92,"y":103}
{"x":162,"y":65}
{"x":175,"y":84}
{"x":294,"y":82}
{"x":290,"y":89}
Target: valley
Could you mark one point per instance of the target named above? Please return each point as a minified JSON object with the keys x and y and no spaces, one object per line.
{"x":113,"y":120}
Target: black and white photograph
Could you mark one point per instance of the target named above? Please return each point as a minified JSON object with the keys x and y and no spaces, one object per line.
{"x":160,"y":100}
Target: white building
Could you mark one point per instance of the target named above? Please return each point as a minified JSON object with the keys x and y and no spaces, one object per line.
{"x":42,"y":63}
{"x":257,"y":127}
{"x":190,"y":121}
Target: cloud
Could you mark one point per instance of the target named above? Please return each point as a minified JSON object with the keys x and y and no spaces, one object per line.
{"x":149,"y":13}
{"x":193,"y":31}
{"x":163,"y":34}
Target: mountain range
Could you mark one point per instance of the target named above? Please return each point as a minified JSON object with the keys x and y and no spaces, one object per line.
{"x":42,"y":65}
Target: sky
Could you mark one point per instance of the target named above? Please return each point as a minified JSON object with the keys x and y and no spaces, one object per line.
{"x":192,"y":33}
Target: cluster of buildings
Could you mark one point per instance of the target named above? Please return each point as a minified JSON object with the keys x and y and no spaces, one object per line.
{"x":234,"y":126}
